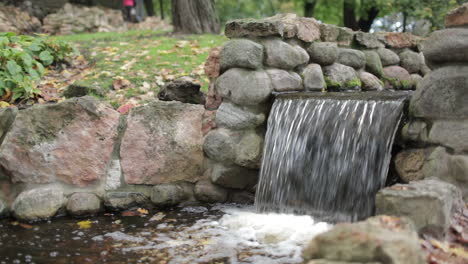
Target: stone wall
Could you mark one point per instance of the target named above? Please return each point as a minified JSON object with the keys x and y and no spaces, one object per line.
{"x":436,"y":137}
{"x":286,"y":53}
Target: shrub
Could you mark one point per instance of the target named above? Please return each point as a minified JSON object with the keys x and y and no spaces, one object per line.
{"x":23,"y":60}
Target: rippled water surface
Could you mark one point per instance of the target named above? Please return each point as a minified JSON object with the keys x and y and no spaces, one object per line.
{"x":197,"y":234}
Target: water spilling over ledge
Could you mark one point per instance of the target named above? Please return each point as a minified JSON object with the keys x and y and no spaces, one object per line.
{"x":328,"y":155}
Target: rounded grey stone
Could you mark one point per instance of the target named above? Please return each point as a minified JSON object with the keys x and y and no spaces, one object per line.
{"x":233,"y":176}
{"x":450,"y":133}
{"x":283,"y":81}
{"x":411,"y":61}
{"x":313,"y":77}
{"x":388,"y":57}
{"x":373,"y":63}
{"x":368,"y":40}
{"x":241,"y":53}
{"x":341,"y":77}
{"x":124,"y":200}
{"x":37,"y":204}
{"x":83,"y":204}
{"x":233,"y":116}
{"x":207,"y":192}
{"x":446,"y":46}
{"x":442,"y":94}
{"x":244,"y":87}
{"x":167,"y":194}
{"x":370,"y":82}
{"x":219,"y":145}
{"x":352,"y":58}
{"x":323,"y":53}
{"x":416,"y":79}
{"x":249,"y":150}
{"x":282,"y":55}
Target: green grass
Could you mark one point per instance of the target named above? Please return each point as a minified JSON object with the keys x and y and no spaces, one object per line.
{"x":145,"y":58}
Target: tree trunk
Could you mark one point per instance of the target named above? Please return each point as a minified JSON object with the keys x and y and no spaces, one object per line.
{"x":349,"y":14}
{"x":194,"y":16}
{"x":365,"y":24}
{"x":161,"y":8}
{"x":149,"y":8}
{"x":309,"y":7}
{"x":405,"y":16}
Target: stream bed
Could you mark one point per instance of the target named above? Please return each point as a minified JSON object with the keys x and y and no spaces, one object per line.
{"x":193,"y":234}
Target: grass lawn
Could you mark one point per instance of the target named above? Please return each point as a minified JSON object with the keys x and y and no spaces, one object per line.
{"x":143,"y":60}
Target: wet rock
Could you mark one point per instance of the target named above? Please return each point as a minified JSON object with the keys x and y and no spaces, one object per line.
{"x":185,"y":90}
{"x":213,"y":65}
{"x":377,"y":238}
{"x":457,"y":17}
{"x":415,"y":131}
{"x":241,"y":197}
{"x":442,"y":94}
{"x":237,"y":117}
{"x":233,"y":176}
{"x":169,"y":134}
{"x":170,"y":194}
{"x":341,"y":77}
{"x":241,"y":53}
{"x":205,"y":191}
{"x":451,"y":134}
{"x":428,"y":203}
{"x":373,"y":63}
{"x":411,"y":61}
{"x":370,"y":82}
{"x":342,"y":36}
{"x":220,"y":144}
{"x":283,"y":25}
{"x":368,"y":40}
{"x":124,"y":200}
{"x":282,"y":55}
{"x":249,"y":150}
{"x":244,"y":87}
{"x":7,"y":116}
{"x":313,"y":78}
{"x":71,"y":141}
{"x":283,"y":81}
{"x":454,"y":40}
{"x":80,"y":204}
{"x":409,"y":164}
{"x":388,"y":57}
{"x":352,"y":58}
{"x":323,"y":53}
{"x":40,"y":203}
{"x":397,"y":77}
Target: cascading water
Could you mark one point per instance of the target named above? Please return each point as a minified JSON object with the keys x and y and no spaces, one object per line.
{"x":327,"y":157}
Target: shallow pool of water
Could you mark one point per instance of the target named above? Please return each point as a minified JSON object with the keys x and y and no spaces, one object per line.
{"x":196,"y":234}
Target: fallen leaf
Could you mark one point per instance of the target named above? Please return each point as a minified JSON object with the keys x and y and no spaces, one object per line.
{"x":142,"y":211}
{"x":121,"y":83}
{"x":129,"y":213}
{"x":157,"y":217}
{"x":26,"y":226}
{"x":4,"y":104}
{"x":85,"y":224}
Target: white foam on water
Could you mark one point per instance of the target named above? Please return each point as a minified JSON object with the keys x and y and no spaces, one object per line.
{"x":242,"y":236}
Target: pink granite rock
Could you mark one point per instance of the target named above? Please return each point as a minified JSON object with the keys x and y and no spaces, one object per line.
{"x":71,"y":142}
{"x":457,"y":17}
{"x":163,"y":143}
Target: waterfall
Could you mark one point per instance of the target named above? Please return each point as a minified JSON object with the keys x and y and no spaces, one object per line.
{"x":327,"y":157}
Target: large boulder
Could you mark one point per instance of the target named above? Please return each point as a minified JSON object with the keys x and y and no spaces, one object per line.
{"x":83,"y":203}
{"x":351,"y":57}
{"x":163,"y":143}
{"x":123,"y":200}
{"x":342,"y":36}
{"x":170,"y":194}
{"x":446,"y":46}
{"x":40,"y":203}
{"x":388,"y":57}
{"x":220,"y":145}
{"x":380,"y":239}
{"x":284,"y":81}
{"x":71,"y":141}
{"x":283,"y":25}
{"x":368,"y":40}
{"x":341,"y":77}
{"x":411,"y":61}
{"x":313,"y":78}
{"x":245,"y":87}
{"x":282,"y":55}
{"x":323,"y":53}
{"x":457,"y":17}
{"x":7,"y":116}
{"x":249,"y":149}
{"x":397,"y":77}
{"x":428,"y":203}
{"x":451,"y":134}
{"x":185,"y":90}
{"x":238,"y":117}
{"x":241,"y":53}
{"x":442,"y":94}
{"x":233,"y":176}
{"x":207,"y":192}
{"x":373,"y":63}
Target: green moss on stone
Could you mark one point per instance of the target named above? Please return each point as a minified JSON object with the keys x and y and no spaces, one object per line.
{"x":329,"y":83}
{"x":406,"y":84}
{"x":353,"y":83}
